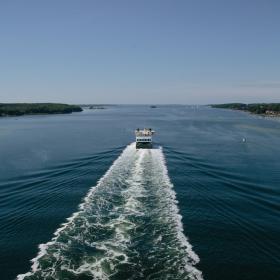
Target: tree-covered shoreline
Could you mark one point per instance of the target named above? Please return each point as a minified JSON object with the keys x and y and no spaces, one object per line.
{"x":19,"y":109}
{"x":271,"y":109}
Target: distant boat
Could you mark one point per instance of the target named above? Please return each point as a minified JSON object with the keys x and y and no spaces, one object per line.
{"x":153,"y":106}
{"x":244,"y":140}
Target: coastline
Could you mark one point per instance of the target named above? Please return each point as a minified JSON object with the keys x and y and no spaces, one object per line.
{"x":270,"y":110}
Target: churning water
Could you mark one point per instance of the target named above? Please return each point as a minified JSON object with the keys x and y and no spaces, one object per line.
{"x":128,"y":227}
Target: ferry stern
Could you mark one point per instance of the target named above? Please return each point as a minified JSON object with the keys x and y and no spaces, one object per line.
{"x":144,"y":138}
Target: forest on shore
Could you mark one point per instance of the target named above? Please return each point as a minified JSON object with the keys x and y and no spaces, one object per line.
{"x":19,"y":109}
{"x":256,"y":108}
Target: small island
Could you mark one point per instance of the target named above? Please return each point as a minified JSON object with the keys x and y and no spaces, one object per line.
{"x":19,"y":109}
{"x":265,"y":109}
{"x":96,"y":107}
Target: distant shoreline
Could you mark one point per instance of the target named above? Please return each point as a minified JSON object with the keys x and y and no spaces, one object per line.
{"x":262,"y":109}
{"x":21,"y":109}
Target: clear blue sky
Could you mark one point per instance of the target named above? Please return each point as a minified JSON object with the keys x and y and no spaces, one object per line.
{"x":145,"y":51}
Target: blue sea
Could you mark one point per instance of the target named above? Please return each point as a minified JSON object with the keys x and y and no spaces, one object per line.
{"x":78,"y":201}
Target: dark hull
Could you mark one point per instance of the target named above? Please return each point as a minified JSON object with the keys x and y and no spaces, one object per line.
{"x":140,"y":145}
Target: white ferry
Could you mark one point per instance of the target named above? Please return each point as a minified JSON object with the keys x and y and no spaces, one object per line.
{"x":144,"y":138}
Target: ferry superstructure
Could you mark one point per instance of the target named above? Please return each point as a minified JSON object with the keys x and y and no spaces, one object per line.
{"x":144,"y":138}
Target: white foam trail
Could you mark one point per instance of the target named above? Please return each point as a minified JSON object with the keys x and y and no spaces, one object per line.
{"x":191,"y":257}
{"x":125,"y":190}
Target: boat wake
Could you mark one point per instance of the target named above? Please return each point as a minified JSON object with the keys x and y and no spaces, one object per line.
{"x":128,"y":227}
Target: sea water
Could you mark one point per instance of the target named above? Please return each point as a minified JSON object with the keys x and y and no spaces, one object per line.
{"x":78,"y":201}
